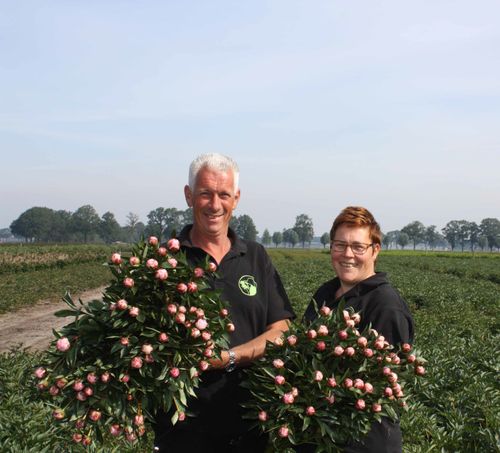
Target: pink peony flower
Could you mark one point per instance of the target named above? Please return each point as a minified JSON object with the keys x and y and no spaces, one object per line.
{"x":198,"y":272}
{"x":105,"y":377}
{"x":134,"y":312}
{"x":128,"y":282}
{"x":368,"y":352}
{"x":175,"y":372}
{"x":40,"y":372}
{"x":115,"y":430}
{"x":139,"y":420}
{"x":325,"y":311}
{"x":279,"y":380}
{"x":388,"y":392}
{"x":58,"y":414}
{"x":223,"y":313}
{"x":92,"y":378}
{"x":172,"y":262}
{"x":338,"y":351}
{"x":116,"y":258}
{"x":136,"y":362}
{"x":386,"y":371}
{"x":348,"y":383}
{"x":330,"y":399}
{"x":295,"y":392}
{"x":153,"y":240}
{"x":331,"y":382}
{"x":148,"y":358}
{"x":342,"y":334}
{"x":180,"y":318}
{"x":182,"y":416}
{"x":322,"y":331}
{"x":94,"y":415}
{"x":393,"y":377}
{"x":172,"y":309}
{"x":162,"y":337}
{"x":61,"y":383}
{"x":376,"y":407}
{"x":406,"y":347}
{"x":203,"y":365}
{"x":320,"y":346}
{"x":78,"y":385}
{"x":195,"y":333}
{"x":124,"y":341}
{"x":147,"y":348}
{"x":206,"y":335}
{"x":77,"y":437}
{"x":173,"y":245}
{"x":411,"y":358}
{"x":200,"y":313}
{"x":201,"y":324}
{"x":362,"y":342}
{"x":161,"y":274}
{"x":54,"y":390}
{"x":349,"y":323}
{"x":318,"y":376}
{"x":88,"y":391}
{"x":125,"y":378}
{"x":356,"y":318}
{"x":292,"y":340}
{"x":368,"y":387}
{"x":192,"y":287}
{"x":349,"y":351}
{"x":420,"y":370}
{"x":182,"y":288}
{"x":63,"y":344}
{"x":262,"y":416}
{"x":80,"y":396}
{"x":212,"y":267}
{"x":358,"y":384}
{"x":312,"y":334}
{"x":122,"y":304}
{"x":162,"y":251}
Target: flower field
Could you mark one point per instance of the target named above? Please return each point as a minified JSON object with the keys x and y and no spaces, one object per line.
{"x":454,"y":299}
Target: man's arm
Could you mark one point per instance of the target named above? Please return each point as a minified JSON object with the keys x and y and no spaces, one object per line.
{"x":253,"y":349}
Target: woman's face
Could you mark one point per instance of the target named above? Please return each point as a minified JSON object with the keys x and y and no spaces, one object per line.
{"x":352,"y":268}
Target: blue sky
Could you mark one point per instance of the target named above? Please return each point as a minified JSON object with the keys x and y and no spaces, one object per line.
{"x":393,"y":105}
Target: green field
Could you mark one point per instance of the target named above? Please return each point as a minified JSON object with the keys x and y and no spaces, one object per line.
{"x":454,"y":299}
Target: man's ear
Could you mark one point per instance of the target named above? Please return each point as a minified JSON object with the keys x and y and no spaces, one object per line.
{"x":188,"y":195}
{"x":236,"y":198}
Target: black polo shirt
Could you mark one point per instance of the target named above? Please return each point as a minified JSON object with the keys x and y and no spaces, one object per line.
{"x":249,"y":283}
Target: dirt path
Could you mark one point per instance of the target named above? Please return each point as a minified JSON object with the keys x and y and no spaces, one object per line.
{"x":32,"y":326}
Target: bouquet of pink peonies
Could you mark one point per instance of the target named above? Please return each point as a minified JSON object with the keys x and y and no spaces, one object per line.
{"x":325,"y":383}
{"x":140,"y":349}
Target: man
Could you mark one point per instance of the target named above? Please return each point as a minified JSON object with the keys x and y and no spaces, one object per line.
{"x":259,"y":309}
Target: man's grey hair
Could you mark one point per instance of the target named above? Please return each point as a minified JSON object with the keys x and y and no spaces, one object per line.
{"x":214,"y":161}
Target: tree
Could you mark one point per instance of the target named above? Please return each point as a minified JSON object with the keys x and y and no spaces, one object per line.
{"x":109,"y":228}
{"x":415,"y":231}
{"x":474,"y":232}
{"x":431,"y":236}
{"x":244,"y":227}
{"x":482,"y":242}
{"x":324,"y":239}
{"x":5,"y":233}
{"x":304,"y":228}
{"x":277,"y":238}
{"x":403,"y":240}
{"x":33,"y":224}
{"x":266,"y":237}
{"x":293,"y":238}
{"x":85,"y":221}
{"x":463,"y":232}
{"x":391,"y":238}
{"x":451,"y":232}
{"x":490,"y":228}
{"x":157,"y":221}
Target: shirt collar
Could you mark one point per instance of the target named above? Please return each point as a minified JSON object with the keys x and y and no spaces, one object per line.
{"x":238,"y":246}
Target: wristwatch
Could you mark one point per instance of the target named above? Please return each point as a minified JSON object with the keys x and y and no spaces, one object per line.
{"x":231,"y":365}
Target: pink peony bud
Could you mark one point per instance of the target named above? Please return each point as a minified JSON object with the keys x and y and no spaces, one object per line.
{"x":134,"y":261}
{"x":368,"y":352}
{"x":148,"y":358}
{"x":136,"y":362}
{"x":292,"y":340}
{"x":362,"y":342}
{"x":91,"y":378}
{"x":115,"y":430}
{"x":420,"y":370}
{"x":152,"y":263}
{"x":230,"y":327}
{"x":283,"y":431}
{"x":58,"y":414}
{"x":368,"y":387}
{"x":125,"y":378}
{"x":388,"y":392}
{"x":40,"y":372}
{"x":86,"y":441}
{"x":356,"y":318}
{"x":200,"y":313}
{"x":162,"y":251}
{"x":147,"y":348}
{"x":139,"y":420}
{"x":288,"y":398}
{"x":201,"y":324}
{"x":406,"y":347}
{"x":121,"y":304}
{"x":77,"y":438}
{"x":320,"y":346}
{"x":208,"y":352}
{"x":262,"y":416}
{"x":174,"y":372}
{"x":54,"y":390}
{"x":134,"y":312}
{"x":348,"y":383}
{"x":192,"y":287}
{"x":212,"y":267}
{"x":312,"y":334}
{"x":180,"y":318}
{"x":131,"y":437}
{"x":78,"y":385}
{"x":172,"y":262}
{"x":88,"y":391}
{"x":278,"y":363}
{"x":198,"y":272}
{"x":153,"y":240}
{"x":386,"y":371}
{"x":325,"y":311}
{"x":173,"y":245}
{"x":358,"y":384}
{"x":376,"y":407}
{"x":223,"y":313}
{"x":203,"y":365}
{"x":128,"y":282}
{"x":206,"y":335}
{"x":279,"y":380}
{"x":342,"y":334}
{"x":161,"y":274}
{"x":61,"y":383}
{"x":182,"y":288}
{"x":310,"y":411}
{"x":331,"y":382}
{"x":338,"y":351}
{"x":349,"y":351}
{"x":116,"y":258}
{"x":80,"y":396}
{"x":411,"y":358}
{"x":393,"y":377}
{"x":94,"y":415}
{"x":162,"y":337}
{"x":349,"y":323}
{"x":172,"y":309}
{"x":105,"y":377}
{"x":379,"y":345}
{"x":346,"y":315}
{"x":63,"y":344}
{"x":322,"y":331}
{"x":181,"y":417}
{"x":330,"y":399}
{"x":195,"y":333}
{"x":318,"y":376}
{"x":124,"y":341}
{"x":360,"y":405}
{"x":279,"y":341}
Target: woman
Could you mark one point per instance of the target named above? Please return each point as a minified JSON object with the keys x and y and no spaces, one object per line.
{"x":355,"y":240}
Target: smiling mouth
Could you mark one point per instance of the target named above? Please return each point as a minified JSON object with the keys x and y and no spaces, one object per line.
{"x":348,"y":265}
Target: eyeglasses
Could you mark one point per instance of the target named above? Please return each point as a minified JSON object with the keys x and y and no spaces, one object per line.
{"x":357,"y":247}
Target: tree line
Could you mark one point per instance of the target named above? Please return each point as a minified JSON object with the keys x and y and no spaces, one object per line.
{"x":41,"y":224}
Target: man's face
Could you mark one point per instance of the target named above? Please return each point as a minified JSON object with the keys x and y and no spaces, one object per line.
{"x":213,"y":201}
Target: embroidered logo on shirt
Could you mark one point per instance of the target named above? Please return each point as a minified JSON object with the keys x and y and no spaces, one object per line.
{"x":248,"y":285}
